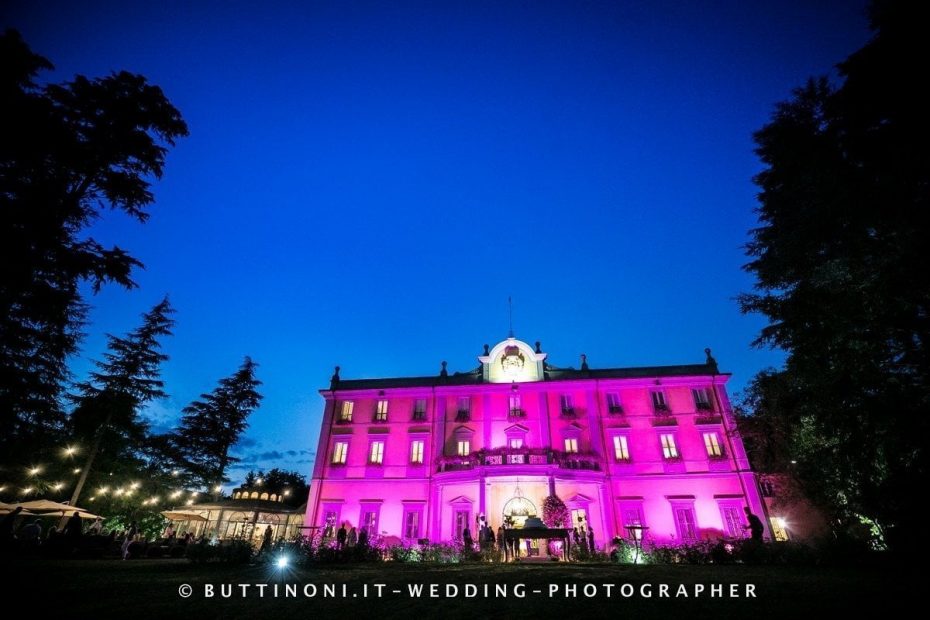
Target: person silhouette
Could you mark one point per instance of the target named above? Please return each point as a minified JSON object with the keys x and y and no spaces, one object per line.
{"x":755,"y":527}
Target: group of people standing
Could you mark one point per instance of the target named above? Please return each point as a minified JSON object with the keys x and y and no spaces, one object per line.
{"x":30,"y":535}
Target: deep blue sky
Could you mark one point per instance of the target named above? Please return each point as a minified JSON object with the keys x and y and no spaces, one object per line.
{"x":366,"y":183}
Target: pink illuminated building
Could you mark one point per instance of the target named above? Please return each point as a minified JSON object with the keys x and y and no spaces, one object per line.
{"x":423,"y":457}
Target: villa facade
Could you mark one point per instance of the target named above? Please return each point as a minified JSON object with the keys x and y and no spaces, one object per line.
{"x":651,"y":450}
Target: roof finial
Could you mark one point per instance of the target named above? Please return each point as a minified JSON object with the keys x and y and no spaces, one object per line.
{"x":335,"y":379}
{"x":443,"y":372}
{"x":711,"y":362}
{"x":510,"y":306}
{"x":584,"y":361}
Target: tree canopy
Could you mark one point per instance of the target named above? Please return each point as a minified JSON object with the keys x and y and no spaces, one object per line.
{"x":838,"y":260}
{"x":69,"y":152}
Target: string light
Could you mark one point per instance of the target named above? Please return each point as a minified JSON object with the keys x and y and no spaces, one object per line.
{"x":218,"y":488}
{"x":134,"y":485}
{"x":175,"y":472}
{"x":103,"y":490}
{"x":2,"y":488}
{"x":175,"y":495}
{"x":190,"y":502}
{"x":70,"y":451}
{"x":27,"y":490}
{"x":258,"y":481}
{"x":57,"y":486}
{"x":77,"y":470}
{"x":287,"y":492}
{"x":35,"y":471}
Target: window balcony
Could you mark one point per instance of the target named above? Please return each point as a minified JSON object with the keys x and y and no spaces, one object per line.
{"x":661,"y":408}
{"x":615,"y":410}
{"x":703,"y":406}
{"x":419,"y":416}
{"x":516,"y":414}
{"x":664,"y":420}
{"x":708,"y":419}
{"x":503,"y":457}
{"x":343,"y":420}
{"x":463,"y":415}
{"x":569,"y":412}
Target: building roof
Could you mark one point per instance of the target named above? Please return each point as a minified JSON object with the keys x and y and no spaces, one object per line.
{"x":474,"y":377}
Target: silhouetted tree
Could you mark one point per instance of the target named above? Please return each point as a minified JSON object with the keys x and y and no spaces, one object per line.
{"x":69,"y":151}
{"x":292,"y":485}
{"x":108,"y":405}
{"x":840,"y":262}
{"x":212,"y":425}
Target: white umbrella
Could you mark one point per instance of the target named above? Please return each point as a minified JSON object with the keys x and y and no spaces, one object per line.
{"x":183,"y":515}
{"x":45,"y":506}
{"x":6,"y":509}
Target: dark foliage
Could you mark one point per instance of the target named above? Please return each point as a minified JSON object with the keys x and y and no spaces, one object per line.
{"x":839,"y":260}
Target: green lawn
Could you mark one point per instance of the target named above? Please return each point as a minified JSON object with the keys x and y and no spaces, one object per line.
{"x":139,"y":589}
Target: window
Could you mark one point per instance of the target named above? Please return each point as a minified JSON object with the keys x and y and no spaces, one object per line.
{"x":567,"y":408}
{"x":732,"y":520}
{"x":416,"y":451}
{"x":462,"y":519}
{"x":712,"y":445}
{"x":419,"y":409}
{"x":412,"y":524}
{"x":464,"y":447}
{"x":579,"y":518}
{"x":340,"y":452}
{"x":369,"y":521}
{"x":613,"y":403}
{"x":684,"y":522}
{"x":330,"y":517}
{"x":621,"y":449}
{"x":779,"y":528}
{"x":571,"y":444}
{"x":376,"y":453}
{"x":381,"y":411}
{"x":633,"y":523}
{"x":464,"y":410}
{"x":702,"y":399}
{"x":659,"y":403}
{"x":516,"y":443}
{"x":669,"y":449}
{"x":346,"y":414}
{"x":515,"y":404}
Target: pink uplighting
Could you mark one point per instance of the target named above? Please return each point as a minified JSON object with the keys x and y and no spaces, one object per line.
{"x":424,"y":457}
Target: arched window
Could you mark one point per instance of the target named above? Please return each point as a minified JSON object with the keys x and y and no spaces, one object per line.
{"x":263,"y":496}
{"x":254,"y":495}
{"x":273,"y":497}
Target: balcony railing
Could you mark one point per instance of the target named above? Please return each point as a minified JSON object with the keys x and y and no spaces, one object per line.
{"x":708,"y":419}
{"x":568,"y":412}
{"x":521,"y":456}
{"x":516,"y":414}
{"x":615,"y":410}
{"x":703,"y":406}
{"x":342,"y":420}
{"x":463,"y":415}
{"x":419,"y":416}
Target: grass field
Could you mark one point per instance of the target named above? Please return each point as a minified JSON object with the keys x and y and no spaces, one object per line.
{"x":140,"y":589}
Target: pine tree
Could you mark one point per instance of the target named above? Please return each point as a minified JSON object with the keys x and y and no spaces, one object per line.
{"x":109,"y":404}
{"x":69,"y":152}
{"x":213,"y":424}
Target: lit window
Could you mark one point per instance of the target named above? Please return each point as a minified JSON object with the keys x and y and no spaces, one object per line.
{"x":712,"y":444}
{"x":669,"y":449}
{"x":613,"y":402}
{"x":347,"y":407}
{"x":516,"y":443}
{"x":416,"y":452}
{"x":419,"y":409}
{"x":658,"y":401}
{"x":340,"y":451}
{"x":412,"y":524}
{"x":464,"y":448}
{"x":381,"y":411}
{"x":370,"y":523}
{"x":779,"y":528}
{"x":702,"y":399}
{"x":515,"y":404}
{"x":621,"y":450}
{"x":376,"y":454}
{"x":571,"y":444}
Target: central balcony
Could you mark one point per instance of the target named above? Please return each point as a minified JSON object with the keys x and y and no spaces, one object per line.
{"x":502,"y":457}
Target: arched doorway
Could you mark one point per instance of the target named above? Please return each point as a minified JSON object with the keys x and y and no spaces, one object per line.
{"x":517,"y":509}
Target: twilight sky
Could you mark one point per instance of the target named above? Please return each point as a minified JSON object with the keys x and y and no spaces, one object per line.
{"x":365,"y":183}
